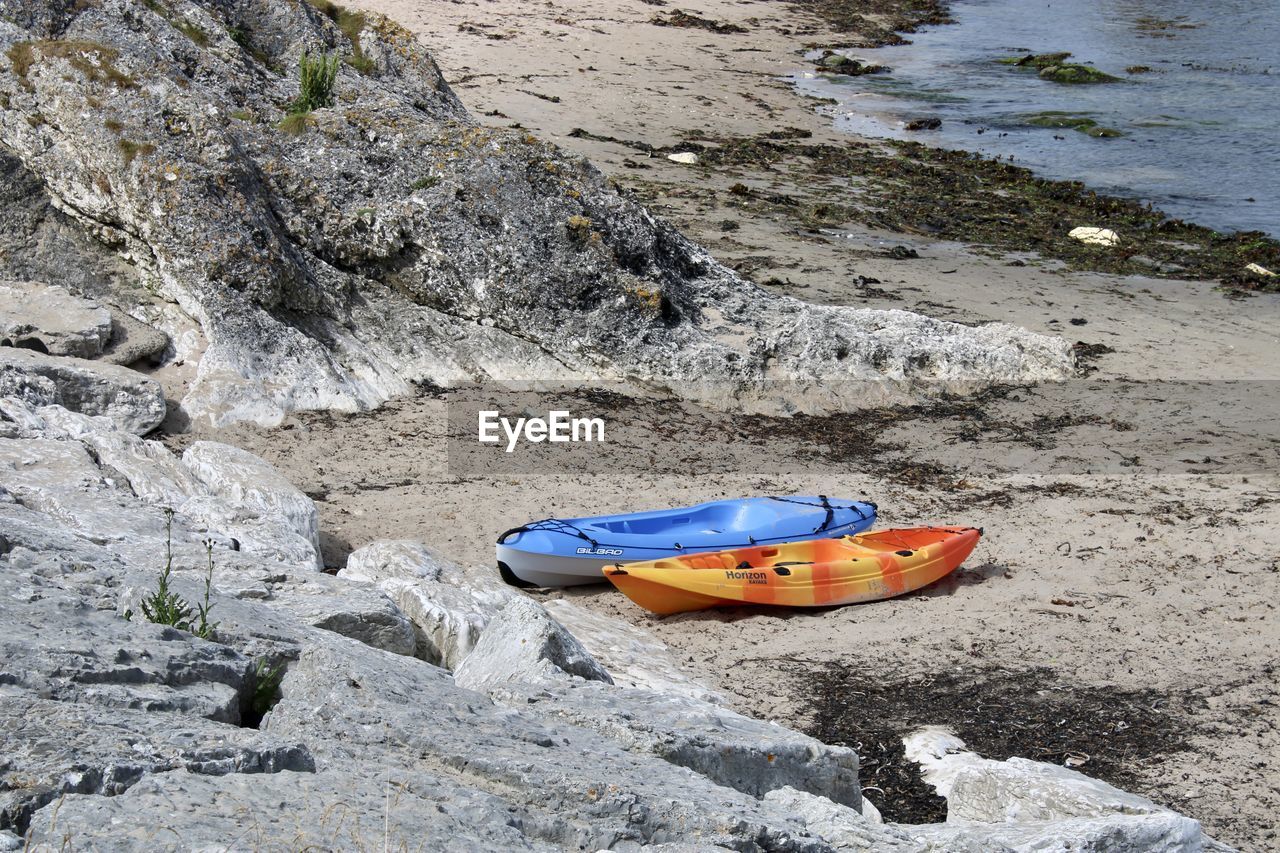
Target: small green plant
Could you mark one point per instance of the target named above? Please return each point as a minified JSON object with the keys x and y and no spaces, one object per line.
{"x":166,"y":607}
{"x":316,"y":77}
{"x":351,"y":24}
{"x":266,"y":688}
{"x":425,"y":182}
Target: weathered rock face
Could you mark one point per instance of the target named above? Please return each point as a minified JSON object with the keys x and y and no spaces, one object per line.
{"x":134,"y":402}
{"x":117,"y":733}
{"x":448,"y":605}
{"x":523,"y":644}
{"x":51,"y":320}
{"x":391,"y":240}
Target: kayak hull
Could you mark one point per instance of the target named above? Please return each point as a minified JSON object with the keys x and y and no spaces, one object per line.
{"x":817,"y":573}
{"x":567,"y":552}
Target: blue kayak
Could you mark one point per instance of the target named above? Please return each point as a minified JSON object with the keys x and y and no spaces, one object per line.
{"x":568,"y":551}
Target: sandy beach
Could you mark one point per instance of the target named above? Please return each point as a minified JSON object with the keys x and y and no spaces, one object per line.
{"x":1119,"y":614}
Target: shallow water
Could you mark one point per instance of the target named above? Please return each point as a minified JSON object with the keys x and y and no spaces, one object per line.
{"x":1202,"y":130}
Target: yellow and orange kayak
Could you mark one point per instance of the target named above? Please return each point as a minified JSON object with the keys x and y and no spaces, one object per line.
{"x":813,"y":573}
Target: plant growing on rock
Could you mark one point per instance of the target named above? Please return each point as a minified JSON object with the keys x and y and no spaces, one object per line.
{"x":266,"y":691}
{"x":166,"y":607}
{"x":317,"y":76}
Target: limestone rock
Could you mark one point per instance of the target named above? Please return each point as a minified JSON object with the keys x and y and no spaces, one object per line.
{"x":132,"y":341}
{"x":632,"y":655}
{"x":134,"y":402}
{"x":60,"y":748}
{"x":50,"y":320}
{"x":842,"y":827}
{"x":448,"y":605}
{"x":1021,"y":804}
{"x":351,"y":610}
{"x":556,"y":783}
{"x":1112,"y":834}
{"x":740,"y":752}
{"x":1258,"y":269}
{"x":684,"y":158}
{"x":1095,"y":236}
{"x":395,"y":241}
{"x":244,"y":480}
{"x":522,"y":644}
{"x":979,"y":789}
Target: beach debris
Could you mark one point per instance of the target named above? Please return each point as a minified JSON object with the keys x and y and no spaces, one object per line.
{"x":1258,"y":269}
{"x":1095,"y":236}
{"x":687,"y":158}
{"x":1138,"y":69}
{"x":924,"y":124}
{"x":901,"y":253}
{"x":688,"y":21}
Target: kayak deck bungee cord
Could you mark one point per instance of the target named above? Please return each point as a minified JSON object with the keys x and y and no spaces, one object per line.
{"x":569,"y":551}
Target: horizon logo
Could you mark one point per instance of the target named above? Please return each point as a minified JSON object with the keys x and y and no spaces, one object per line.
{"x":558,"y":427}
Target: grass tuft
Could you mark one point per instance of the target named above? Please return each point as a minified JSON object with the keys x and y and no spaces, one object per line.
{"x":317,"y":76}
{"x":296,"y":124}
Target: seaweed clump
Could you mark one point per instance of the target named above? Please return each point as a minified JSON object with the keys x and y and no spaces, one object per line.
{"x":1108,"y":732}
{"x":909,"y":187}
{"x":1055,"y":67}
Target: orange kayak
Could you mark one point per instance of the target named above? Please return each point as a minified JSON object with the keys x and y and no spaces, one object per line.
{"x":814,"y":573}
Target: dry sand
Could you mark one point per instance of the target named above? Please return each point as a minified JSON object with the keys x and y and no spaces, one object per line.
{"x":1131,"y":561}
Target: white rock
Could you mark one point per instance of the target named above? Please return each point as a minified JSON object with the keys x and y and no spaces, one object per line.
{"x":254,"y":530}
{"x":134,"y":402}
{"x":685,"y":158}
{"x":247,"y":482}
{"x":840,"y":826}
{"x":52,"y":320}
{"x":1258,"y":269}
{"x":524,"y":645}
{"x":980,"y":789}
{"x":1095,"y":236}
{"x":633,"y":656}
{"x":1158,"y":833}
{"x":740,"y":752}
{"x":448,"y":604}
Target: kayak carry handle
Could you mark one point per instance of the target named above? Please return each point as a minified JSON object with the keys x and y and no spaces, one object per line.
{"x":503,"y":537}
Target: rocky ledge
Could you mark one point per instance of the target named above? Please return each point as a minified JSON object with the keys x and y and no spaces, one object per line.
{"x":408,"y":701}
{"x":332,"y":258}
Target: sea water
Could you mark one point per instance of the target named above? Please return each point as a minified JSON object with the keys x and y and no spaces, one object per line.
{"x":1201,"y":129}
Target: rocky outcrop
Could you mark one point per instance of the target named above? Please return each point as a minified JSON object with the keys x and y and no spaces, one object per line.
{"x":632,"y":656}
{"x":118,"y":733}
{"x":243,"y":481}
{"x":448,"y":605}
{"x":523,"y":644}
{"x":338,"y":258}
{"x":132,"y":401}
{"x":51,"y":320}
